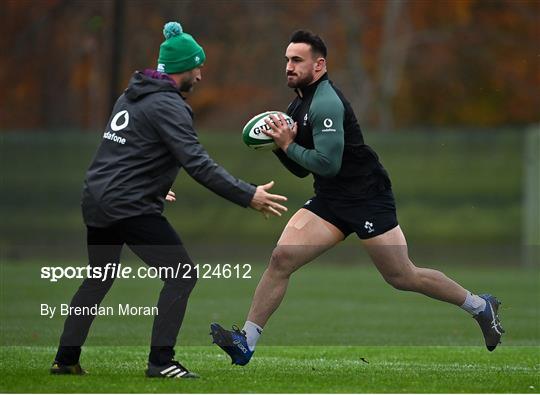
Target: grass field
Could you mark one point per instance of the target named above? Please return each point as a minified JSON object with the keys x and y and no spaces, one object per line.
{"x":459,"y":198}
{"x":288,"y":369}
{"x":332,"y":317}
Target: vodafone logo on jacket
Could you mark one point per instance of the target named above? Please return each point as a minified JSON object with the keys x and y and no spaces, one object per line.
{"x":119,"y":122}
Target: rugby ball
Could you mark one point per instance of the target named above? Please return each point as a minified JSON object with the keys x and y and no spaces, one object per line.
{"x":253,"y":135}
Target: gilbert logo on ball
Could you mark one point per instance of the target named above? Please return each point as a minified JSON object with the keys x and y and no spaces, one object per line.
{"x":253,"y":135}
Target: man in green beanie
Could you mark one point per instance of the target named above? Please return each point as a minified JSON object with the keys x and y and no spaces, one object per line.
{"x":180,"y":53}
{"x":148,"y":139}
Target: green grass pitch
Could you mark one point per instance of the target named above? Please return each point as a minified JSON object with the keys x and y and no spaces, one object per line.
{"x":288,"y":369}
{"x":340,"y":329}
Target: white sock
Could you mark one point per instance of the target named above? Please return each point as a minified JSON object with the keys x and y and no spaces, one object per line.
{"x":253,"y":332}
{"x":473,"y":304}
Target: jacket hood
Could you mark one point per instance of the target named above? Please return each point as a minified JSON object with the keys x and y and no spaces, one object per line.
{"x":145,"y":83}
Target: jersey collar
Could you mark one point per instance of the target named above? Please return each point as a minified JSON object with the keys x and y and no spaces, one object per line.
{"x":310,"y":89}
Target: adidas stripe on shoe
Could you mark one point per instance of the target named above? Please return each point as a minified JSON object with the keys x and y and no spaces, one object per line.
{"x":172,"y":370}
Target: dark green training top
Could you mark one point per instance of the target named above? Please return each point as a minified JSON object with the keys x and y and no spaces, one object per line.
{"x":330,"y":145}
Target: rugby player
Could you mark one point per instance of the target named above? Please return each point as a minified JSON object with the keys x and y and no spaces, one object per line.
{"x":353,"y":194}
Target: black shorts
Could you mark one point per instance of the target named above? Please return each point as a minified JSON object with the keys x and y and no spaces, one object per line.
{"x":367,"y":218}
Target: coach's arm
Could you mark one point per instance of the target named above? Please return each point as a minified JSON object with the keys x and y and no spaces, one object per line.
{"x":175,"y":126}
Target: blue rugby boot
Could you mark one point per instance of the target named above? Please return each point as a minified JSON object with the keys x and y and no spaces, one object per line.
{"x":489,"y":322}
{"x":234,"y":343}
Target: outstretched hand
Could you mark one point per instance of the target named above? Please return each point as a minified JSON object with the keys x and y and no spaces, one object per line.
{"x":267,"y":203}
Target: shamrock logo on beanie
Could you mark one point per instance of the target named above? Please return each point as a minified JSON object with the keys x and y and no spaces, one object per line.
{"x":179,"y":52}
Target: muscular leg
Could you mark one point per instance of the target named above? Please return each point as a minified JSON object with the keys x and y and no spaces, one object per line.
{"x":389,"y":254}
{"x":305,"y":237}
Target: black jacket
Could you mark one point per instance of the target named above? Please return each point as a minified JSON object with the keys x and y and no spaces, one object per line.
{"x":148,"y":139}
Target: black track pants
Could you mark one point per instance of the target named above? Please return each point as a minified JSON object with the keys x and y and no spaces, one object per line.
{"x":154,"y":240}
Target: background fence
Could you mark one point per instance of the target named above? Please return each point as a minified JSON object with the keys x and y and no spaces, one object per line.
{"x":455,"y":189}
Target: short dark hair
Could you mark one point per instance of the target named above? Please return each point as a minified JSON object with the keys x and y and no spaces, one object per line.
{"x":315,"y":41}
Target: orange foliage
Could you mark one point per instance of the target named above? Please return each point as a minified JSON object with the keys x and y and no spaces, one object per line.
{"x":465,"y":62}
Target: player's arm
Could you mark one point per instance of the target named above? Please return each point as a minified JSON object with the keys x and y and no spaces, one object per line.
{"x":174,"y":125}
{"x":291,"y":165}
{"x":325,"y":158}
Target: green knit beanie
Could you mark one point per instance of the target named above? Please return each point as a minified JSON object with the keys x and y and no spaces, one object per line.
{"x":179,"y":52}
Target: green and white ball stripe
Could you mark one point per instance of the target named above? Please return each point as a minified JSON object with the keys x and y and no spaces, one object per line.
{"x":253,"y":135}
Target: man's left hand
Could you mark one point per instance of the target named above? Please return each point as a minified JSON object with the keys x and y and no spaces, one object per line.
{"x":280,"y":131}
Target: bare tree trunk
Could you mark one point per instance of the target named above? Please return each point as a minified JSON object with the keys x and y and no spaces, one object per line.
{"x":392,"y":56}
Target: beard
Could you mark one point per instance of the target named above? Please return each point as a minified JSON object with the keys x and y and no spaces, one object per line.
{"x":300,"y":82}
{"x":186,"y":85}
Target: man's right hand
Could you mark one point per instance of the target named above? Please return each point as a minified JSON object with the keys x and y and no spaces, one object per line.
{"x":267,"y":203}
